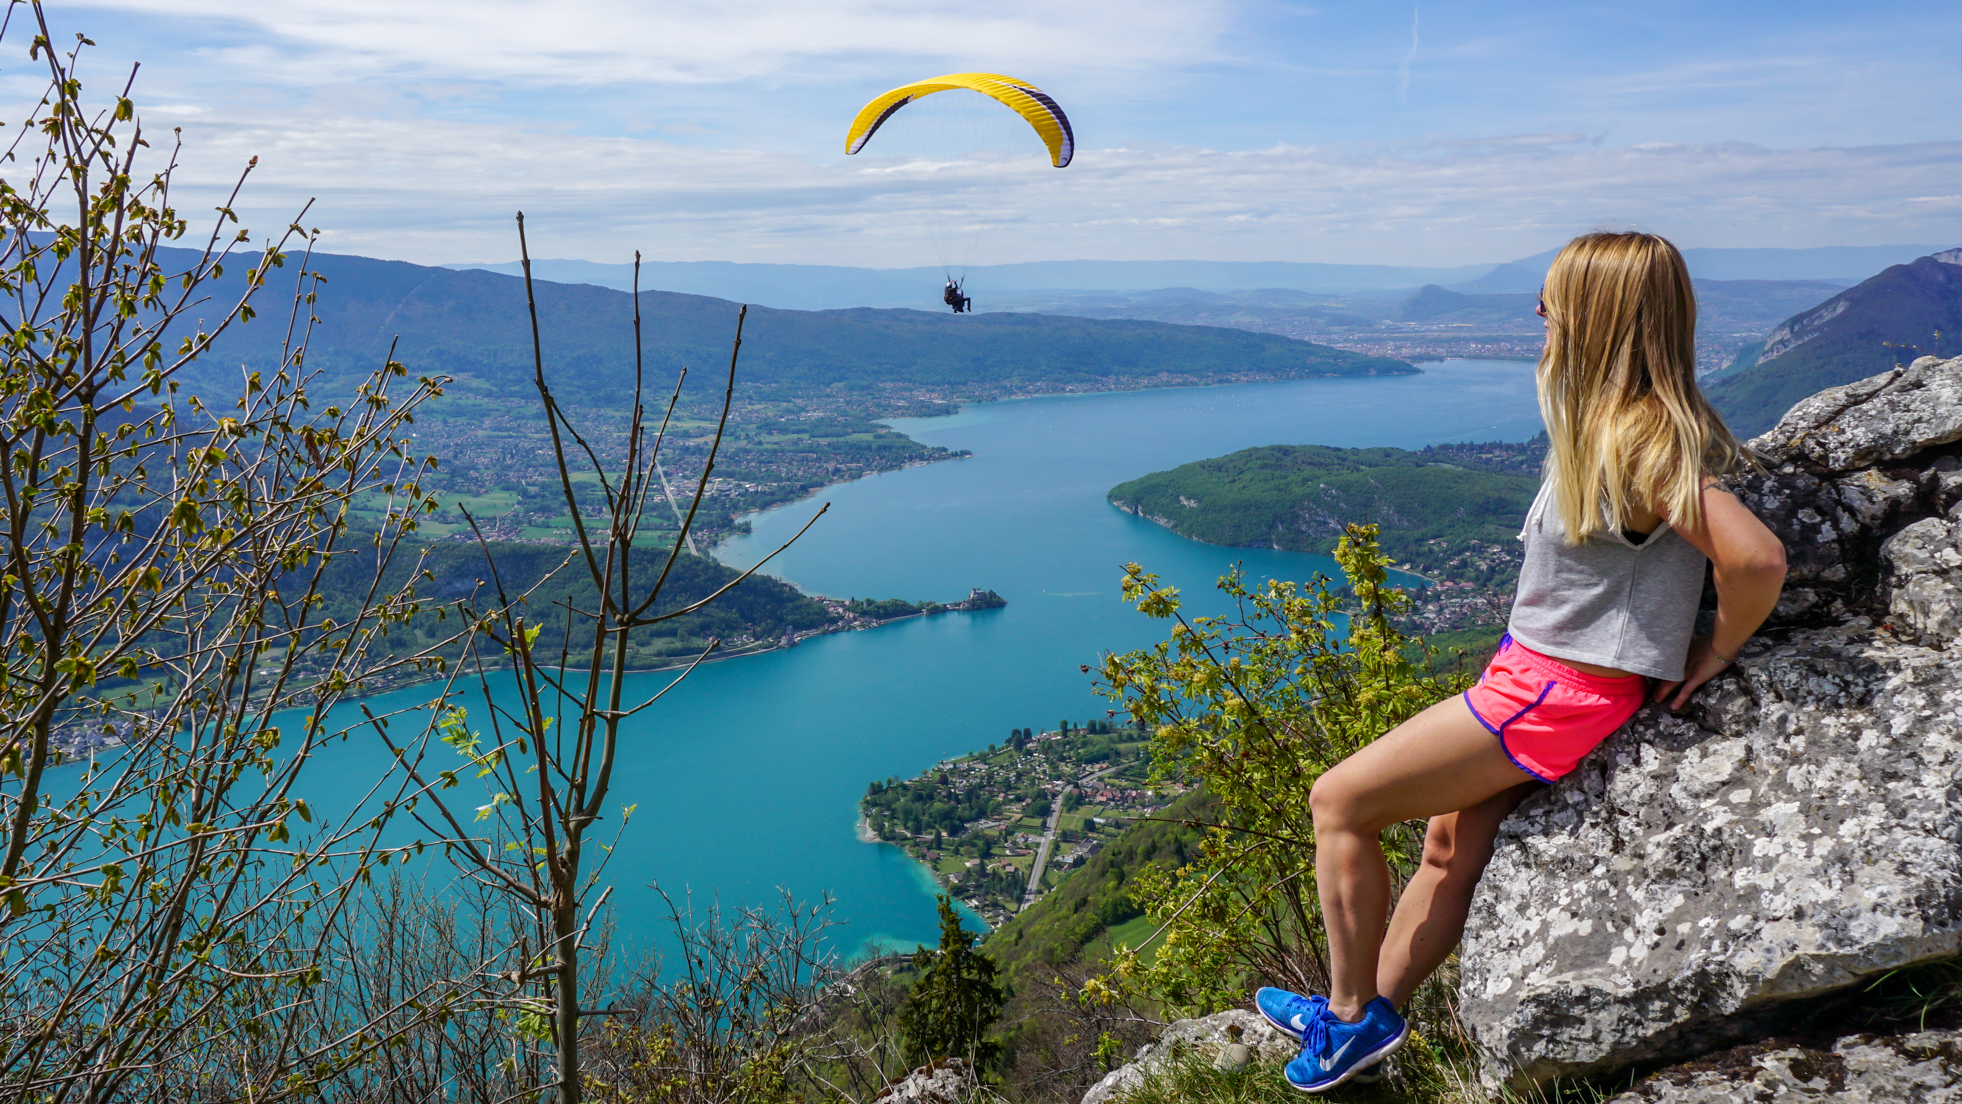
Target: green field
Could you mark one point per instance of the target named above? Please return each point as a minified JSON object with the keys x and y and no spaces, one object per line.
{"x":1133,"y":933}
{"x":1074,"y":822}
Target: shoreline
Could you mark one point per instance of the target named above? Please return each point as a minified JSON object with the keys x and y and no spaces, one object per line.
{"x":960,"y":405}
{"x":1170,"y":385}
{"x":744,"y":652}
{"x":1166,"y":525}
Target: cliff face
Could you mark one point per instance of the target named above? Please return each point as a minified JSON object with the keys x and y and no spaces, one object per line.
{"x":1798,"y":829}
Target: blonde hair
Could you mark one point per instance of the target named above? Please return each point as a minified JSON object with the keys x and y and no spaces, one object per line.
{"x":1618,"y":390}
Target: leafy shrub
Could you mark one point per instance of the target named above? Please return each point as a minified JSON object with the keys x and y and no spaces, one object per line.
{"x":1255,"y":706}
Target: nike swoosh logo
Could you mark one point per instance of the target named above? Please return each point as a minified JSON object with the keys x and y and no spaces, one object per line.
{"x":1328,"y":1063}
{"x":1296,"y":1023}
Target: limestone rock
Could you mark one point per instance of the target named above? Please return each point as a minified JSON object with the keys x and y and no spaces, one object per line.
{"x":1923,"y":1067}
{"x":1885,"y":417}
{"x":948,"y":1081}
{"x":1208,"y":1038}
{"x":1799,"y":827}
{"x":1924,"y":562}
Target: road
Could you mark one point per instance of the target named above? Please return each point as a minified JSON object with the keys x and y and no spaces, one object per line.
{"x":679,"y":521}
{"x":1049,"y":839}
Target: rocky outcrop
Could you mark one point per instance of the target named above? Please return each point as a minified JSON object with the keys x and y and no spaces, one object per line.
{"x":1799,"y":828}
{"x":1921,"y":1066}
{"x":948,"y":1081}
{"x":1210,"y":1038}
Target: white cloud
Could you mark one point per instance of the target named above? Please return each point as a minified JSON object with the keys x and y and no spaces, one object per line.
{"x":431,"y":192}
{"x":589,"y":42}
{"x":710,"y":129}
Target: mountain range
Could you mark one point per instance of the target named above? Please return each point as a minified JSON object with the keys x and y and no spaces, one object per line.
{"x":472,"y":325}
{"x":1904,"y":312}
{"x":1844,"y":264}
{"x":825,"y":287}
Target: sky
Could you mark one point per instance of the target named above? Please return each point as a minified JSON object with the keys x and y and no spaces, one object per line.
{"x":1254,"y":130}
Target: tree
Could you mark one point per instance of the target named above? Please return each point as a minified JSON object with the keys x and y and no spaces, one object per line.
{"x":546,"y":760}
{"x":954,"y":1000}
{"x":166,"y":888}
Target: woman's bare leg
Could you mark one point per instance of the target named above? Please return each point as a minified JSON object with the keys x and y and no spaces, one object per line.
{"x":1430,"y":915}
{"x":1440,"y":761}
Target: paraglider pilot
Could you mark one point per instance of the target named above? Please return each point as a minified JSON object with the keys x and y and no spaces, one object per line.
{"x":953,"y":297}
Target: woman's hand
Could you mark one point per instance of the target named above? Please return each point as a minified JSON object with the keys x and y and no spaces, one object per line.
{"x":1748,"y":565}
{"x":1702,"y":665}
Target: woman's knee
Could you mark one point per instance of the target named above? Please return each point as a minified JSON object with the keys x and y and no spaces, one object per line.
{"x":1440,"y":842}
{"x":1338,"y":806}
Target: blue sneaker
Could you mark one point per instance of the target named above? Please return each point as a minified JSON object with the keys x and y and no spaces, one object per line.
{"x":1291,"y":1012}
{"x":1333,"y":1052}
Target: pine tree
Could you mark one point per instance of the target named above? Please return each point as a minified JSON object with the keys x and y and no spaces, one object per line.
{"x":955,"y":999}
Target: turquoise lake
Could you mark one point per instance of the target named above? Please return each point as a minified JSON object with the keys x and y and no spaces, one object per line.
{"x":747,"y":775}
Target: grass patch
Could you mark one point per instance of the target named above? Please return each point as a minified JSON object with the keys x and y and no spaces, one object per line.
{"x":1915,"y":995}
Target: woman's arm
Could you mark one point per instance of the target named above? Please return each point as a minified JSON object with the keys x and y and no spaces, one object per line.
{"x":1748,"y":564}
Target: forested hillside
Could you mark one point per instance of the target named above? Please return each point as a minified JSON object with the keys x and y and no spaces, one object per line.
{"x":808,"y":390}
{"x":1443,"y":513}
{"x":758,"y":611}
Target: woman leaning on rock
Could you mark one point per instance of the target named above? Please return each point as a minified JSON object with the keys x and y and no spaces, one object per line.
{"x":1616,"y":544}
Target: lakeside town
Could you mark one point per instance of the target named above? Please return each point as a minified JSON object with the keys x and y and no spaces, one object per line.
{"x":497,"y":466}
{"x":1000,"y":828}
{"x":83,"y":738}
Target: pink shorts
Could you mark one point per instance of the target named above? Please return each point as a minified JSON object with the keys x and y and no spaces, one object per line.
{"x":1546,"y":714}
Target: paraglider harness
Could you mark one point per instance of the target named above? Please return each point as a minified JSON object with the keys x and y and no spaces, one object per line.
{"x":954,"y":297}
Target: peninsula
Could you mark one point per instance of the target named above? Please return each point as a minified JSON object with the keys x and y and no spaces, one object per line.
{"x":1450,"y":513}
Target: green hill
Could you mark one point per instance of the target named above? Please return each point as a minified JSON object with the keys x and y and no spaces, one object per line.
{"x":1432,"y":303}
{"x":1299,"y":497}
{"x":758,"y":611}
{"x":1906,"y":311}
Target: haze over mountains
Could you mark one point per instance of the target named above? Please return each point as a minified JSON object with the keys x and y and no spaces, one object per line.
{"x":1798,"y":335}
{"x":1723,"y":305}
{"x":827,"y":287}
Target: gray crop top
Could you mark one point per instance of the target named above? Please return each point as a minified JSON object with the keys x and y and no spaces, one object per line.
{"x":1607,"y":600}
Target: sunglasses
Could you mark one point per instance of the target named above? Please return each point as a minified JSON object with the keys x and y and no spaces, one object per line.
{"x":1541,"y":308}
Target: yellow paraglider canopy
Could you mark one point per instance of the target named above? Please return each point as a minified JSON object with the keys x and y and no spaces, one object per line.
{"x":1025,"y":99}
